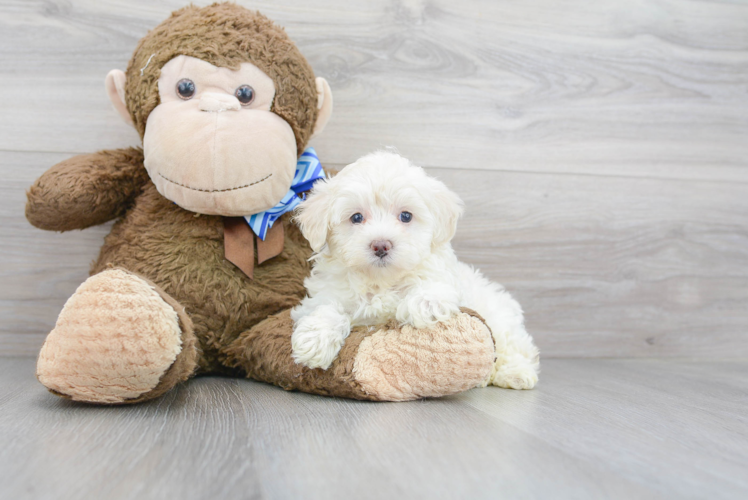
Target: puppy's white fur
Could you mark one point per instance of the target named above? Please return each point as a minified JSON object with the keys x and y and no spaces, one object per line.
{"x":419,"y":281}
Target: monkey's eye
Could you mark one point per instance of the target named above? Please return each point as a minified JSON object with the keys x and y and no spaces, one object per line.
{"x":185,"y":88}
{"x":406,"y":217}
{"x":357,"y":218}
{"x":245,"y":94}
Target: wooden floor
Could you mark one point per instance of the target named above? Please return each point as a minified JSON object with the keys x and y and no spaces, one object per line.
{"x":591,"y":429}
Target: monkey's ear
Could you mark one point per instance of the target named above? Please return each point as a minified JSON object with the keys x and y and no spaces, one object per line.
{"x":324,"y":105}
{"x":115,"y":89}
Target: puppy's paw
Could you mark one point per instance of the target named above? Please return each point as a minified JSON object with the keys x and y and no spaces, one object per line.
{"x":318,"y":337}
{"x":515,"y":373}
{"x":428,"y":305}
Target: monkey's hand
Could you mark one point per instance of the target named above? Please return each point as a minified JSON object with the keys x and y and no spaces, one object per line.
{"x":86,"y":190}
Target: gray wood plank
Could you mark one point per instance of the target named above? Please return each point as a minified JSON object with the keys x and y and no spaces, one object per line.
{"x":39,"y":270}
{"x":592,"y":429}
{"x":604,"y":266}
{"x":644,"y":89}
{"x":613,"y":266}
{"x":674,"y":426}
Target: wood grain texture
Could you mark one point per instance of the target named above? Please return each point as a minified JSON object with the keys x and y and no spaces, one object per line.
{"x":592,"y":429}
{"x":603,"y":266}
{"x":645,"y":88}
{"x":608,"y":266}
{"x":600,"y":149}
{"x":39,"y":270}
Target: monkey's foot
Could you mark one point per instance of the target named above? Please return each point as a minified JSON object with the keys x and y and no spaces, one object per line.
{"x":119,"y":339}
{"x":391,"y":363}
{"x":405,"y":363}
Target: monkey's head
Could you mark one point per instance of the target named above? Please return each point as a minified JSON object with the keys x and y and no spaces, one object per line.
{"x":225,"y":103}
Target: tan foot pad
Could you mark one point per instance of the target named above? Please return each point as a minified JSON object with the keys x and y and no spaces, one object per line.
{"x":113,"y":340}
{"x":407,"y":363}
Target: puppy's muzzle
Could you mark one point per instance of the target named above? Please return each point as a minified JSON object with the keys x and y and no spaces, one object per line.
{"x":381,"y":248}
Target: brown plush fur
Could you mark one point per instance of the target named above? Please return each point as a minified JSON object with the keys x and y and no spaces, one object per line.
{"x":182,"y":253}
{"x":465,"y":347}
{"x":225,"y":35}
{"x":86,"y":190}
{"x":264,"y":353}
{"x":229,"y":323}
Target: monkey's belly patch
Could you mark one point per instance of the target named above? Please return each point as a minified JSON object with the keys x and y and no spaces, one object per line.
{"x":215,"y":190}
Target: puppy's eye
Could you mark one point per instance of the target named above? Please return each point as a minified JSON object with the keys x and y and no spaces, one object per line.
{"x":245,"y":94}
{"x":406,"y":217}
{"x":185,"y":88}
{"x":357,"y":218}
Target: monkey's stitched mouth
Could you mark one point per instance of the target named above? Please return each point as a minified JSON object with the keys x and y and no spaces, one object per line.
{"x":214,"y":190}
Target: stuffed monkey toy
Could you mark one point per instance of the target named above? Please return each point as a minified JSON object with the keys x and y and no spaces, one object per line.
{"x":203,"y":264}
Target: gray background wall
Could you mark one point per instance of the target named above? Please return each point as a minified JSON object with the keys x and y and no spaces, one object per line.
{"x":600,"y":148}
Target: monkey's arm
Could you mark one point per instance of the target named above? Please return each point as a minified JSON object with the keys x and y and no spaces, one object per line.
{"x":86,"y":190}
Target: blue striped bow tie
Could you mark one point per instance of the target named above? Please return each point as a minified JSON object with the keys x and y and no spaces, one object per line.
{"x":308,"y":171}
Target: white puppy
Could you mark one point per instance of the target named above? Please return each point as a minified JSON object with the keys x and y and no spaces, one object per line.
{"x":381,"y":230}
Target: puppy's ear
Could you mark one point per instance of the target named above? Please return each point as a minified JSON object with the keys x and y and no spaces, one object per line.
{"x":313,"y":215}
{"x":446,"y":208}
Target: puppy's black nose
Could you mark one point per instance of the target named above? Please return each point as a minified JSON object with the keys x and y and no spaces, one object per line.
{"x":381,"y":247}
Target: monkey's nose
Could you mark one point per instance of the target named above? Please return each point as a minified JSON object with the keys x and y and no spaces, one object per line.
{"x":216,"y":102}
{"x":381,"y":247}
